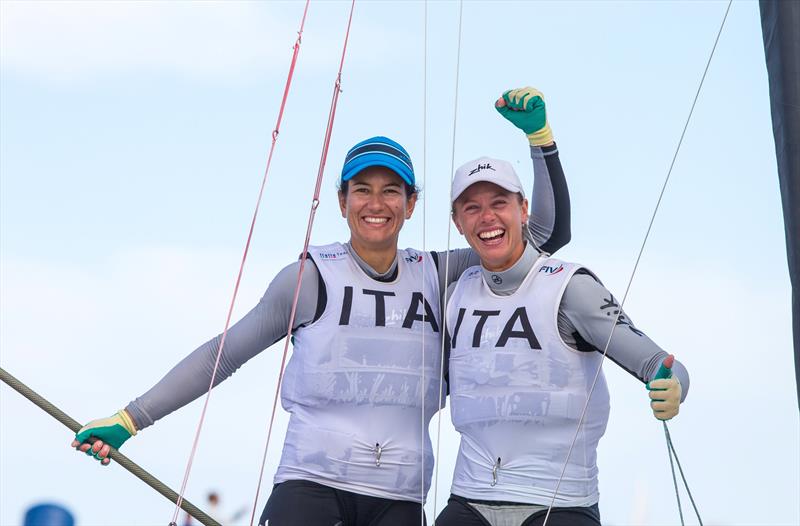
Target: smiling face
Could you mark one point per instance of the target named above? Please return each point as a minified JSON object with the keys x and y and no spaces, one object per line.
{"x":491,"y":220}
{"x":376,"y":206}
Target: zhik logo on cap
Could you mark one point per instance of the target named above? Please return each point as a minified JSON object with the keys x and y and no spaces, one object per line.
{"x":480,"y":167}
{"x":488,"y":169}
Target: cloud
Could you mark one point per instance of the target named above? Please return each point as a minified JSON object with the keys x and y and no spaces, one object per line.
{"x":71,"y":42}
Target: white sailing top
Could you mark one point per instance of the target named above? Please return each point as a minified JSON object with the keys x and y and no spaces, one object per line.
{"x":517,"y":391}
{"x":355,"y":382}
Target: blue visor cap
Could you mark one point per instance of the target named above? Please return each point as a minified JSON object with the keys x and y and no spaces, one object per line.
{"x":378,"y":151}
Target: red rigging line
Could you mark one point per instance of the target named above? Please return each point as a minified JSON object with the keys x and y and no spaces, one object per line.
{"x":311,"y":215}
{"x":296,"y":49}
{"x":275,"y":133}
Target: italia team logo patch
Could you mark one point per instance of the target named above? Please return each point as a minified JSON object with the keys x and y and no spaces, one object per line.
{"x":332,"y":255}
{"x":551,"y":270}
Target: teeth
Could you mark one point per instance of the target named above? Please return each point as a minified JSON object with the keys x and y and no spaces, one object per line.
{"x":376,"y":220}
{"x":492,"y":233}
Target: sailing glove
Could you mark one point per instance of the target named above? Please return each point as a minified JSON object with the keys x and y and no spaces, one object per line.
{"x":524,"y":107}
{"x":114,"y":431}
{"x":665,"y":397}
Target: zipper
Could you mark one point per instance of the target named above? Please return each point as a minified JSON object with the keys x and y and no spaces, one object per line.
{"x":495,"y":468}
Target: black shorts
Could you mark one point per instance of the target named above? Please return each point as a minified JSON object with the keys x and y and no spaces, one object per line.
{"x":459,"y":512}
{"x":304,"y":503}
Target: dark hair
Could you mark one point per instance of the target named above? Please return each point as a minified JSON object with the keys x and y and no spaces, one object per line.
{"x":409,"y":189}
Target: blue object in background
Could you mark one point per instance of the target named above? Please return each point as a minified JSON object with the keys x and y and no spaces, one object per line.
{"x":48,"y":515}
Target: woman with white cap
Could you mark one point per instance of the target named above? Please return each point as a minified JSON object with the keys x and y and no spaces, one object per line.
{"x":354,"y":384}
{"x":526,"y":334}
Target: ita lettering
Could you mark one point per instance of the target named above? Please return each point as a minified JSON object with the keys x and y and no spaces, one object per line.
{"x":517,"y":326}
{"x":419,"y":310}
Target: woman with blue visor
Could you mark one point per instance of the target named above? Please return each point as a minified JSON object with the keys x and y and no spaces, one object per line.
{"x":367,"y":339}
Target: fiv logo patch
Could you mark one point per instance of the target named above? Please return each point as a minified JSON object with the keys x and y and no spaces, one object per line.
{"x":550,"y":270}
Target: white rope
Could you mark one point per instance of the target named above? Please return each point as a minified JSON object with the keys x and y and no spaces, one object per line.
{"x":423,"y":385}
{"x":447,"y":268}
{"x":638,"y":258}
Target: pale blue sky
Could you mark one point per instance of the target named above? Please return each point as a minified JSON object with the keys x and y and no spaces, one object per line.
{"x":133,"y":137}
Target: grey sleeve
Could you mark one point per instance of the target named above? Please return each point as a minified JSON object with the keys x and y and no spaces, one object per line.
{"x":584,"y":320}
{"x":450,"y":289}
{"x":450,"y":268}
{"x":548,"y":224}
{"x":264,"y":325}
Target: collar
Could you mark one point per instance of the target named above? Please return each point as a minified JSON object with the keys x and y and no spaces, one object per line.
{"x":506,"y":282}
{"x":389,"y":275}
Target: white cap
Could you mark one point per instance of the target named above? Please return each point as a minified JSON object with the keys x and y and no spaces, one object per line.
{"x":486,"y":169}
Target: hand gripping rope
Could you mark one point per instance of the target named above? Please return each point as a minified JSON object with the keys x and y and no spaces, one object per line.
{"x":121,"y":459}
{"x":59,"y":415}
{"x":670,"y":447}
{"x":177,"y":498}
{"x":275,"y":134}
{"x":311,"y":214}
{"x":665,"y":371}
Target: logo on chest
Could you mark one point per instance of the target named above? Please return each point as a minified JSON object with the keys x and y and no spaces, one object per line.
{"x":413,"y":257}
{"x":517,"y":326}
{"x":332,"y":255}
{"x":548,"y":270}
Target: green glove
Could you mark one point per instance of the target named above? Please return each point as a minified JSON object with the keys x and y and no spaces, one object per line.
{"x":524,"y":107}
{"x":114,"y":430}
{"x":665,"y":391}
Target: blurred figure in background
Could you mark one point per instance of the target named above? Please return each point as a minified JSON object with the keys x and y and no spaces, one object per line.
{"x":216,"y":512}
